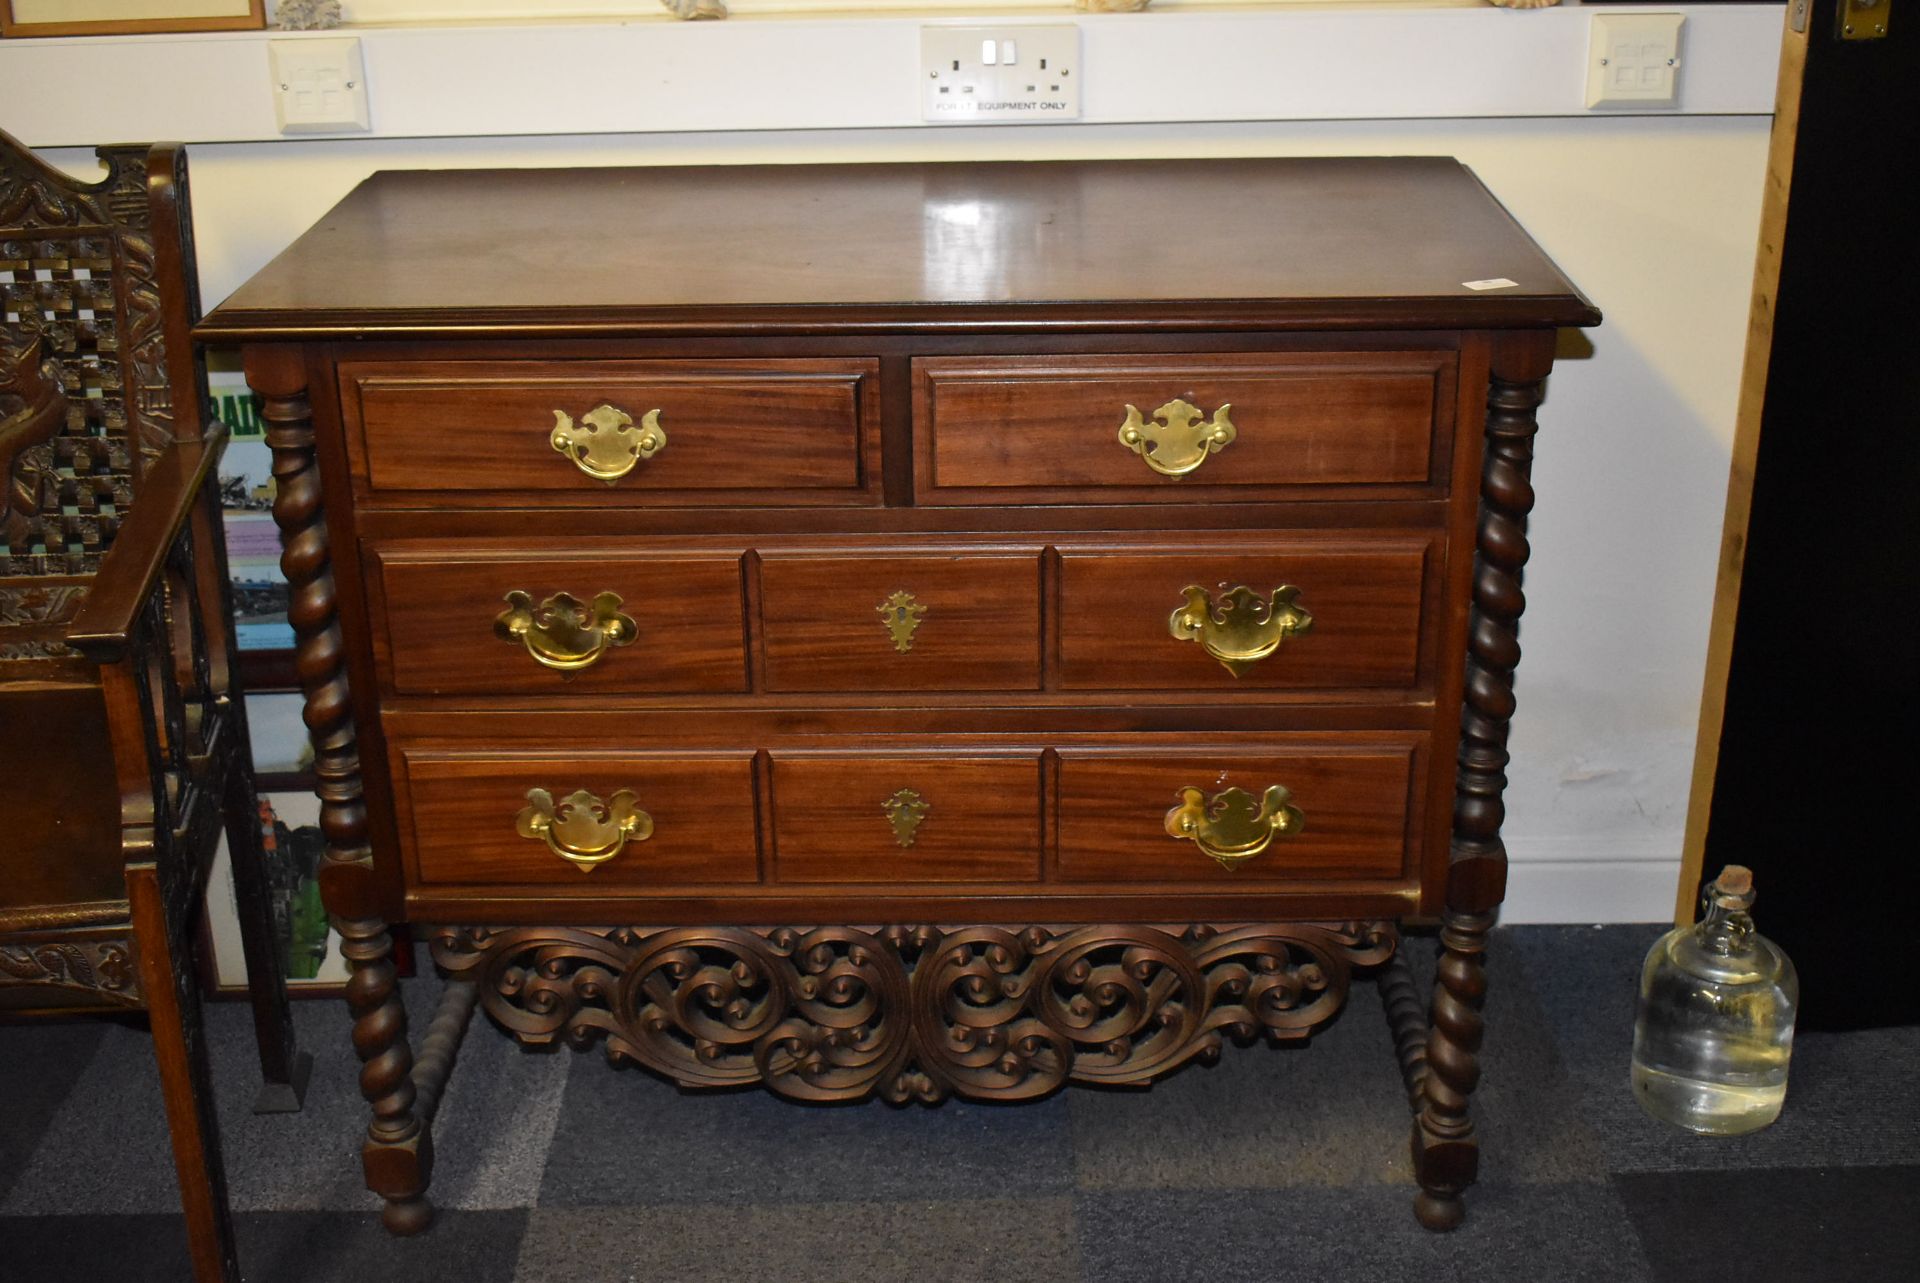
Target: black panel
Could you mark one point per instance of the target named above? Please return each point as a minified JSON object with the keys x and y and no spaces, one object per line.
{"x":1819,"y":770}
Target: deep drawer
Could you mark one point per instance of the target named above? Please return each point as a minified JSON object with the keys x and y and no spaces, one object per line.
{"x":1349,"y":809}
{"x":454,"y":621}
{"x":576,"y":818}
{"x":1179,"y":429}
{"x":906,"y":818}
{"x":672,"y":433}
{"x":1353,"y":617}
{"x":933,"y":619}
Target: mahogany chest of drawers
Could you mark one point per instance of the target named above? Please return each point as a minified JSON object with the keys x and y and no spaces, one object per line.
{"x":909,"y":630}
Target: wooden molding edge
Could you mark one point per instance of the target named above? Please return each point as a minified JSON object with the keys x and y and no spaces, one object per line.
{"x":1746,"y":448}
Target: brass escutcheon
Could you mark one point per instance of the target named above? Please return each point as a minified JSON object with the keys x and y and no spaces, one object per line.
{"x":1242,"y":629}
{"x":562,"y":632}
{"x":1231,"y":827}
{"x":901,"y":614}
{"x":1177,"y":440}
{"x":604,"y":444}
{"x":905,"y":810}
{"x":580,"y":828}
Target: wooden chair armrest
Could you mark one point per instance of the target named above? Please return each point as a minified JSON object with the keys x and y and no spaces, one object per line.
{"x":130,"y":572}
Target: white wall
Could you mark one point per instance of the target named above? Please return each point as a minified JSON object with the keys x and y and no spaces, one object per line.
{"x":1654,"y":217}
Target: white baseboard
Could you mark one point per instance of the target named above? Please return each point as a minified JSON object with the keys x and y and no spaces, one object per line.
{"x":1570,"y":879}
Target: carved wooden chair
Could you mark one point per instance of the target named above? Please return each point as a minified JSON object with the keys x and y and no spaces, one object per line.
{"x":123,"y":737}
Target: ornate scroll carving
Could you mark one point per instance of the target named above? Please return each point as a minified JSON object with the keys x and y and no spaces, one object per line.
{"x":30,"y":382}
{"x":24,"y":605}
{"x":912,"y":1013}
{"x":33,"y":618}
{"x":102,"y":968}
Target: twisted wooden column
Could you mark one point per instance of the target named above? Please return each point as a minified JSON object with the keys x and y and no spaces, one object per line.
{"x":1446,"y":1154}
{"x":398,"y":1154}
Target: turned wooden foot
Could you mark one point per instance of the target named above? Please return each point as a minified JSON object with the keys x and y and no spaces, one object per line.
{"x":407,"y":1217}
{"x":1439,"y":1212}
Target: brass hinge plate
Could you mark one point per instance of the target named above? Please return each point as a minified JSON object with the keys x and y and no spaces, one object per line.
{"x":1864,"y":19}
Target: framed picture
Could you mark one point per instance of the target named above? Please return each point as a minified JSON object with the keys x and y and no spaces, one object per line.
{"x":126,"y":17}
{"x":281,"y":746}
{"x":253,"y":541}
{"x":310,"y":947}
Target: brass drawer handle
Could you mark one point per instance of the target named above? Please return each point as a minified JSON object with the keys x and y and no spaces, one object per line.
{"x":1231,"y":827}
{"x":1177,"y":440}
{"x":604,"y":444}
{"x":580,"y":828}
{"x":563,"y":633}
{"x":1242,"y":630}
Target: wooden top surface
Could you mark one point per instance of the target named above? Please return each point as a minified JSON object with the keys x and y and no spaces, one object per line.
{"x":1239,"y":244}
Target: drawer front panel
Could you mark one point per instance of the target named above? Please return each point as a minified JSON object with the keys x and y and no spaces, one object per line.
{"x":1354,"y":802}
{"x":790,"y":431}
{"x":1049,"y":429}
{"x":467,"y":818}
{"x":464,"y":623}
{"x":902,"y":818}
{"x":933,"y":620}
{"x":1355,"y":620}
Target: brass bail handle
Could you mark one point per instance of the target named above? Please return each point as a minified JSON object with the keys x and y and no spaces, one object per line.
{"x":605,"y":444}
{"x":1243,"y":628}
{"x":563,"y":633}
{"x":580,"y":828}
{"x":1233,"y":826}
{"x":1177,"y":439}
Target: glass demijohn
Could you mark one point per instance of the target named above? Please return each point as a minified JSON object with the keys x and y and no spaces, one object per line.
{"x":1715,"y":1026}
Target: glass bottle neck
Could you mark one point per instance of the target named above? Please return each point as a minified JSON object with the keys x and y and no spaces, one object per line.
{"x":1727,"y":929}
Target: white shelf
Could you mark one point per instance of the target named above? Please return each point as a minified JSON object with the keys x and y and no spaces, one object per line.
{"x":778,"y":72}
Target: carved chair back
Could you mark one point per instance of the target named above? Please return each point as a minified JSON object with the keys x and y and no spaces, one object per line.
{"x":116,"y":720}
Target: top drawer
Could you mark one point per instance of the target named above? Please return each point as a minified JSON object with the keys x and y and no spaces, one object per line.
{"x":659,"y":433}
{"x":1182,"y":427}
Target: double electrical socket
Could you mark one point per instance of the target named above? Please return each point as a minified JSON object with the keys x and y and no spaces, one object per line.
{"x":1010,"y":74}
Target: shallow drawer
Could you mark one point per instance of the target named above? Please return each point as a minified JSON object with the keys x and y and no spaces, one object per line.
{"x":1348,"y":810}
{"x":658,"y":432}
{"x":906,"y":818}
{"x":567,"y":622}
{"x":1153,"y":429}
{"x":582,"y":819}
{"x":1352,"y":619}
{"x":953,"y":619}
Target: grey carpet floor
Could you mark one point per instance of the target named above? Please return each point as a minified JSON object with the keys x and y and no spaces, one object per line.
{"x":1272,"y":1164}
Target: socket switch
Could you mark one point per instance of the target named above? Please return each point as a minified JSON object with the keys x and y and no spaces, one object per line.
{"x":999,"y":75}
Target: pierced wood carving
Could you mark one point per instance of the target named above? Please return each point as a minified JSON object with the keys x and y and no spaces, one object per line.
{"x":912,"y":1013}
{"x":79,"y":278}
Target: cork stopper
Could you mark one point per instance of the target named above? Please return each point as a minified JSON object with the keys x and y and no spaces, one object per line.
{"x":1735,"y":880}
